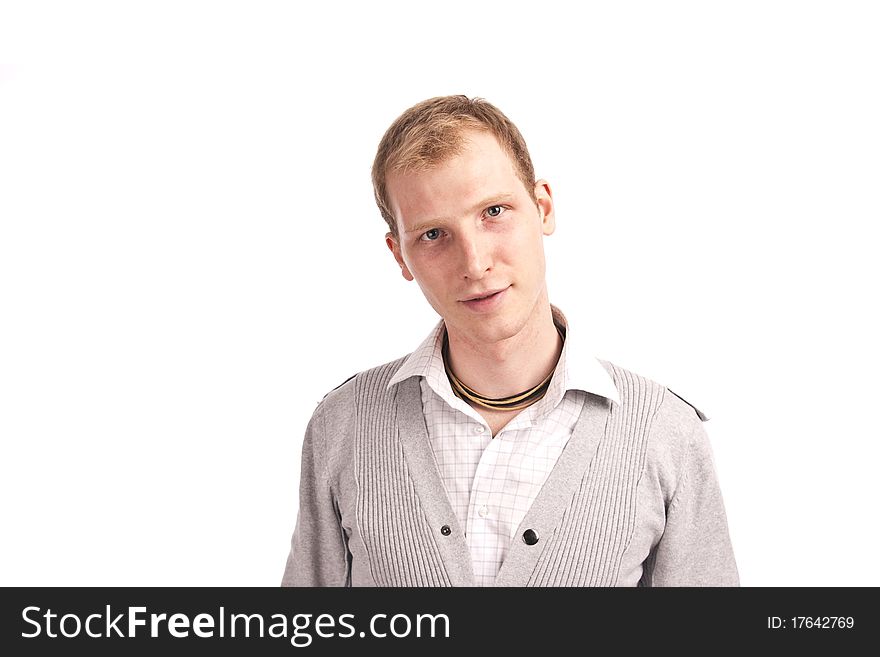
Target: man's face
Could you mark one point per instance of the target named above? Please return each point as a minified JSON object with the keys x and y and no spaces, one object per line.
{"x":468,"y":228}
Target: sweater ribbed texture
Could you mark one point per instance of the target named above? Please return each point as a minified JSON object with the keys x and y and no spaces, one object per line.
{"x":599,"y":522}
{"x":398,"y":539}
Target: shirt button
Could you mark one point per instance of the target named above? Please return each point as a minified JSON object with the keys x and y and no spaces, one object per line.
{"x":479,"y":428}
{"x":445,"y":530}
{"x":484,"y":511}
{"x":530,"y":537}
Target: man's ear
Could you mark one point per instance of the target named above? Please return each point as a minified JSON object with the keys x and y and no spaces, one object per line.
{"x":394,"y":245}
{"x":544,"y":201}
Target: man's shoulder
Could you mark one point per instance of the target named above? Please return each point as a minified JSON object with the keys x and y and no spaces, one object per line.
{"x":670,"y":423}
{"x":372,"y":381}
{"x":641,"y":391}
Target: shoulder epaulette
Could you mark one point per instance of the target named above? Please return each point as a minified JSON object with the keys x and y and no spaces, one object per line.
{"x":700,"y":413}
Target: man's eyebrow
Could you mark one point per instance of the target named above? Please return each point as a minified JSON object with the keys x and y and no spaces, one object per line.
{"x":486,"y":202}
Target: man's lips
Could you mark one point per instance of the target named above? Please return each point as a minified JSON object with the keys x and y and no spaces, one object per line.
{"x":483,"y":295}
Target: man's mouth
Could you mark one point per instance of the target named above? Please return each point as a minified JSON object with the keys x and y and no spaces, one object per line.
{"x":484,"y":295}
{"x":485,"y":301}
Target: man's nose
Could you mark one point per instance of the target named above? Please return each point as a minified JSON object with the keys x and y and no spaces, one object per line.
{"x":475,"y":255}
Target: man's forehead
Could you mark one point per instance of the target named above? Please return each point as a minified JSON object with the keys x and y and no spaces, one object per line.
{"x":457,"y":182}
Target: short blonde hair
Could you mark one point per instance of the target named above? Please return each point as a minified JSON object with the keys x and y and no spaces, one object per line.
{"x":431,"y":131}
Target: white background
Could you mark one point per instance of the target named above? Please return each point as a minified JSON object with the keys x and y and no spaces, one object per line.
{"x":190,"y":255}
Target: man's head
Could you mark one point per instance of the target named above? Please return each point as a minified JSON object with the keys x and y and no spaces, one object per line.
{"x":432,"y":131}
{"x":466,"y":217}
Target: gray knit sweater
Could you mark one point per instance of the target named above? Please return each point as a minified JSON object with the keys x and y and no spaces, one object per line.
{"x":632,"y":501}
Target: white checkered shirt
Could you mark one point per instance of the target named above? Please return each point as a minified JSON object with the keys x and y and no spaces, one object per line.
{"x":491,"y":483}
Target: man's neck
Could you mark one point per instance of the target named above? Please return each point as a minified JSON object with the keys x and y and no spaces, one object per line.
{"x":509,"y":366}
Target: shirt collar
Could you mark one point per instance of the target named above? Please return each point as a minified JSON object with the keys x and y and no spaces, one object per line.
{"x":579,"y":371}
{"x":419,"y":362}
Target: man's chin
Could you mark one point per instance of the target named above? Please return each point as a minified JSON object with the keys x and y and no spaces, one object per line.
{"x":486,"y":330}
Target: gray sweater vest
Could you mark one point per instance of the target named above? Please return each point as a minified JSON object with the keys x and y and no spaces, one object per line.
{"x":632,"y":501}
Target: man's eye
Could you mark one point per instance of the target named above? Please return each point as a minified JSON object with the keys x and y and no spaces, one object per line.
{"x":431,"y":235}
{"x":494,"y":210}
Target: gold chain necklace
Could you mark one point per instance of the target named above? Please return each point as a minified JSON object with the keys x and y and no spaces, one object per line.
{"x":513,"y":402}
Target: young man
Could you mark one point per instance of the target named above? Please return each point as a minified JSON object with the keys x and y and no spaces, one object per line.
{"x":497,"y":453}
